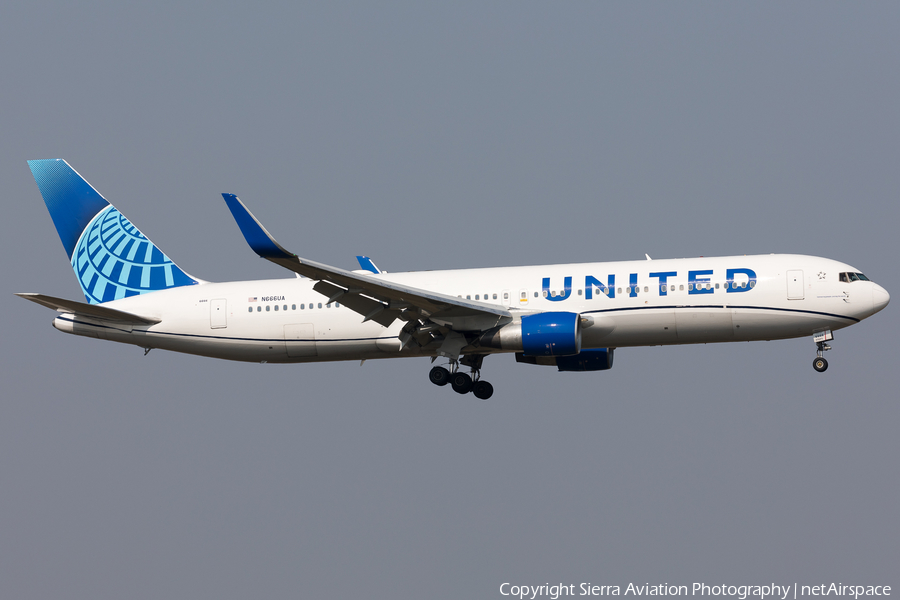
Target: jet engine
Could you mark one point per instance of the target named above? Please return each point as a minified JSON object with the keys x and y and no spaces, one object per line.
{"x":541,"y":334}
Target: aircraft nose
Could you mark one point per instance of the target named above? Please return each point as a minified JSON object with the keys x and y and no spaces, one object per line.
{"x":880,"y":297}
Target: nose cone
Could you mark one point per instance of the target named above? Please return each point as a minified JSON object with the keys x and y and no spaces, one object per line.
{"x":880,"y":298}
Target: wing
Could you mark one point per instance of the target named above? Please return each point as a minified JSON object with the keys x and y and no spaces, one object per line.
{"x":370,"y":296}
{"x":95,"y":311}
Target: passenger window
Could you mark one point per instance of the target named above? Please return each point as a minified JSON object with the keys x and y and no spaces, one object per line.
{"x":662,"y":288}
{"x":476,"y":296}
{"x":606,"y":291}
{"x":620,"y":290}
{"x":579,"y":292}
{"x":523,"y":296}
{"x":320,"y":305}
{"x":258,"y":308}
{"x":752,"y":284}
{"x":468,"y":296}
{"x":495,"y":296}
{"x":717,"y":286}
{"x":672,"y":289}
{"x":506,"y":295}
{"x":645,"y":289}
{"x":743,"y":284}
{"x":267,"y":308}
{"x":535,"y":295}
{"x":690,"y":287}
{"x":249,"y":309}
{"x":276,"y":308}
{"x":545,"y":293}
{"x":293,"y":307}
{"x":681,"y":288}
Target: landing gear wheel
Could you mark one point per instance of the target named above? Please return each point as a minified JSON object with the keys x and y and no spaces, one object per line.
{"x":482,"y":390}
{"x":820,"y":364}
{"x":461,"y":382}
{"x":439,"y":376}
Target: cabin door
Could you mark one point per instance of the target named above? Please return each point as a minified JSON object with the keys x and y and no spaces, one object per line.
{"x":795,"y":285}
{"x":217,"y":314}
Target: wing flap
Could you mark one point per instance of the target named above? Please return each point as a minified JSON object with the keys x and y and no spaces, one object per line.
{"x":96,"y":311}
{"x":371,"y":310}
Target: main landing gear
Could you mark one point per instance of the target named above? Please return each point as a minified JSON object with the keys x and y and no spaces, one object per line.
{"x":462,"y":382}
{"x":820,"y":364}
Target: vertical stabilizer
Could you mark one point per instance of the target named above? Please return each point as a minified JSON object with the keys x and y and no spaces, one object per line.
{"x":112,"y":259}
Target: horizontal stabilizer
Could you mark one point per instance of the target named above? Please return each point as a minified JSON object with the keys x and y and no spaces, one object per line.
{"x":95,"y":311}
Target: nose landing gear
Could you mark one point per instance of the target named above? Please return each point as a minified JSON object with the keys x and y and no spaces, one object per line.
{"x":461,"y":382}
{"x":820,"y":364}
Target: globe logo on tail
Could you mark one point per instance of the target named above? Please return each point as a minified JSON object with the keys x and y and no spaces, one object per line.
{"x":114,"y":260}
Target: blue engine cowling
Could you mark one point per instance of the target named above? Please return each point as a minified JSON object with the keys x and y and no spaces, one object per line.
{"x":599,"y":359}
{"x":551,"y":334}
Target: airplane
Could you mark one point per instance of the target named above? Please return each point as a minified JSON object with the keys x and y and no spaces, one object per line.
{"x":571,"y":316}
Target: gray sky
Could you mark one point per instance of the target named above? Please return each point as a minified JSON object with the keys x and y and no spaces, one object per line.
{"x":448,"y":136}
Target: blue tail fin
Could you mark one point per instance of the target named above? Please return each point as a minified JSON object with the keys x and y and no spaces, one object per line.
{"x":111,"y":258}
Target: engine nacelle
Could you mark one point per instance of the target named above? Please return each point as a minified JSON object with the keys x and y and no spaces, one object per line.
{"x":542,"y":334}
{"x":599,"y":359}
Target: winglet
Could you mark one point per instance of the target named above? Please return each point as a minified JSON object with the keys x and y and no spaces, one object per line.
{"x":260,"y":240}
{"x":366,"y":263}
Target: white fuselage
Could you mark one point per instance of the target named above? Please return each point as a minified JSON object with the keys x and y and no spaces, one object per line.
{"x":635,"y":303}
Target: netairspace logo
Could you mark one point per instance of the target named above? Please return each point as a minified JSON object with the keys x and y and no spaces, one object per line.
{"x":740,"y":592}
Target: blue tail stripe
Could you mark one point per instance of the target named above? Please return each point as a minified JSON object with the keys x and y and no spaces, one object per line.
{"x":124,"y":273}
{"x":71,"y":200}
{"x":134,"y":278}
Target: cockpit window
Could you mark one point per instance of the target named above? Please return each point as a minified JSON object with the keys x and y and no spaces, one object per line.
{"x":848,"y":277}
